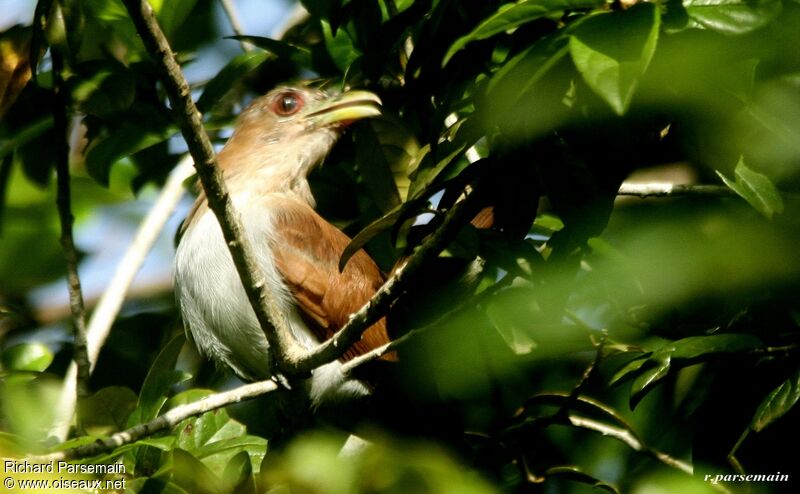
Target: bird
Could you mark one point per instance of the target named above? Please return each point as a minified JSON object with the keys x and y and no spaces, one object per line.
{"x":278,"y":139}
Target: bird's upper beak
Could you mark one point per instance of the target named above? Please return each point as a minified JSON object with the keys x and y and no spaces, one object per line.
{"x":346,"y":108}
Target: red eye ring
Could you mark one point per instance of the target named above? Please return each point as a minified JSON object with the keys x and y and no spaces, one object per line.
{"x":287,"y":103}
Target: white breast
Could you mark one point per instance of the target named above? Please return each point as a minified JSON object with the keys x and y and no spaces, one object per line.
{"x":217,"y":312}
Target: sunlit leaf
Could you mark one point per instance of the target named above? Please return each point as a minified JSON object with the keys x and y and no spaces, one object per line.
{"x":626,"y":370}
{"x":191,"y":474}
{"x":15,"y":67}
{"x":511,"y":16}
{"x":612,"y":65}
{"x":238,"y":474}
{"x":34,"y":357}
{"x":732,"y":16}
{"x":215,"y":438}
{"x":340,"y":46}
{"x":755,"y":188}
{"x":698,"y":346}
{"x":777,"y":403}
{"x":28,"y":405}
{"x":645,"y":381}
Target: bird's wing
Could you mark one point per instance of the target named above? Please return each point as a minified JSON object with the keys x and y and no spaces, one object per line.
{"x":307,"y":251}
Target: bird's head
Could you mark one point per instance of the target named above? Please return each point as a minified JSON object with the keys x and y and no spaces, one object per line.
{"x":282,"y":135}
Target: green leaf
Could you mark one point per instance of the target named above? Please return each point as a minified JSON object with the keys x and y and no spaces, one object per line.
{"x":238,"y":474}
{"x":196,"y":432}
{"x":126,"y":140}
{"x":426,"y":171}
{"x":32,"y":357}
{"x":626,"y":370}
{"x":613,"y":51}
{"x":103,"y":89}
{"x":383,"y":153}
{"x":191,"y":474}
{"x":107,"y":410}
{"x":732,"y":16}
{"x":281,"y":49}
{"x":576,"y":475}
{"x":172,"y":13}
{"x":648,"y":379}
{"x":694,"y":347}
{"x":25,"y":135}
{"x":160,"y":378}
{"x":375,"y":228}
{"x":186,"y":397}
{"x":222,"y":83}
{"x":681,"y":353}
{"x":779,"y":401}
{"x":511,"y":16}
{"x":215,"y":438}
{"x":340,"y":46}
{"x":165,"y":443}
{"x":755,"y":188}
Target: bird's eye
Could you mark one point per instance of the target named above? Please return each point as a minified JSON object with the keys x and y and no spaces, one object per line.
{"x":287,"y":103}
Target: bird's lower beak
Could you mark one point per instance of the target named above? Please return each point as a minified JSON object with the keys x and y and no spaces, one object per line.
{"x":347,"y":108}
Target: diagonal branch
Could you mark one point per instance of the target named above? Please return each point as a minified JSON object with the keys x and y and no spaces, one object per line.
{"x":166,"y":421}
{"x":64,"y":201}
{"x":333,"y":348}
{"x":283,"y":345}
{"x":659,"y":189}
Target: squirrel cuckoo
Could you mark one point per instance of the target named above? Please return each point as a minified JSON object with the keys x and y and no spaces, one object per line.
{"x":278,"y":140}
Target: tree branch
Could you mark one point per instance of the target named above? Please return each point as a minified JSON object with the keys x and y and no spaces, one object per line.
{"x":658,"y":189}
{"x":373,"y":310}
{"x":283,"y":346}
{"x":170,"y":419}
{"x":629,"y":439}
{"x":63,"y":202}
{"x":114,"y":295}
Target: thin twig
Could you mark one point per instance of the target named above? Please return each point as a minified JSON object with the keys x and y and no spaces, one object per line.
{"x":169,"y":419}
{"x":347,"y":368}
{"x":64,"y":201}
{"x":114,"y":295}
{"x":587,"y":375}
{"x":626,"y":437}
{"x":659,"y":189}
{"x":283,"y":346}
{"x":233,"y":19}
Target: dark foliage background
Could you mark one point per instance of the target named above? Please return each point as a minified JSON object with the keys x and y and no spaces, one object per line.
{"x":601,"y":343}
